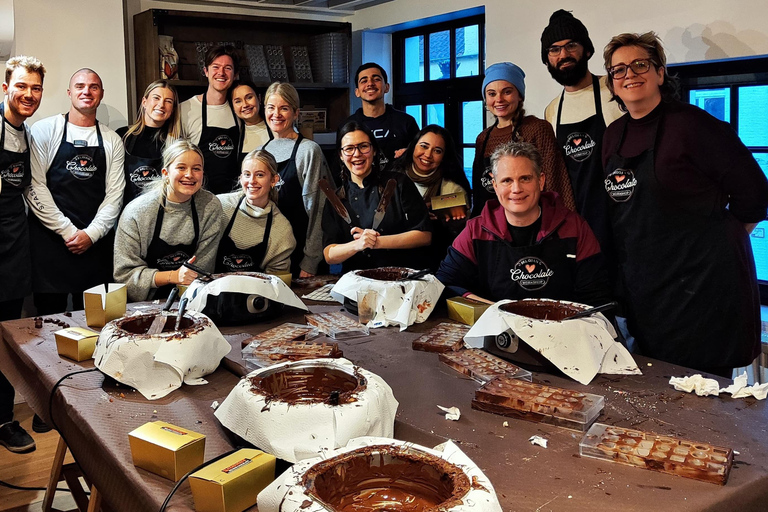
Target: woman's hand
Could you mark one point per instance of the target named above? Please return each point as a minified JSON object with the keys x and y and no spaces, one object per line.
{"x":184,"y":275}
{"x":456,"y":213}
{"x":304,"y":274}
{"x":364,"y":238}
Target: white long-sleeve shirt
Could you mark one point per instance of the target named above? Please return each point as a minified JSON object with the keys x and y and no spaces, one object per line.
{"x":46,"y":138}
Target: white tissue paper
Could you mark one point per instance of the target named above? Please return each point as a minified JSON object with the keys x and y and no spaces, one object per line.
{"x":267,"y":286}
{"x":739,"y":388}
{"x":400,"y":303}
{"x":580,"y":348}
{"x":296,"y":432}
{"x":287,"y":494}
{"x":157,"y":364}
{"x":710,"y":387}
{"x":451,"y":413}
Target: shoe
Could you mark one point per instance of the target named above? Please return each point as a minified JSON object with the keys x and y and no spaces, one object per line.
{"x":15,"y":438}
{"x":39,"y":426}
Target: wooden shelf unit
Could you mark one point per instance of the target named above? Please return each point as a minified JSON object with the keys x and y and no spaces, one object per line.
{"x":188,"y":27}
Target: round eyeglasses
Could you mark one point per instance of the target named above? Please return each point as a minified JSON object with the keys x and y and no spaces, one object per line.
{"x":638,"y":67}
{"x":363,"y":147}
{"x":570,"y":47}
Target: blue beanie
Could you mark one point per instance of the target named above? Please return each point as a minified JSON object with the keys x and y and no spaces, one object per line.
{"x":505,"y":71}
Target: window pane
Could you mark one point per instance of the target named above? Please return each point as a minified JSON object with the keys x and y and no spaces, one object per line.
{"x":759,"y":236}
{"x":753,"y":116}
{"x":415,"y":112}
{"x":436,"y":114}
{"x":440,"y":55}
{"x":471,"y":121}
{"x":414,"y":59}
{"x":715,"y":101}
{"x":469,"y":157}
{"x":467,"y":51}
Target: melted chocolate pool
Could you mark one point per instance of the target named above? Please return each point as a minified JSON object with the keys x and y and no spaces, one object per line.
{"x":387,"y":478}
{"x":140,"y":324}
{"x":309,"y":384}
{"x":541,"y":309}
{"x":385,"y":273}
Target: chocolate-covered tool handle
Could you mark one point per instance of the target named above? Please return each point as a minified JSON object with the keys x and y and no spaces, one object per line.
{"x":338,"y":206}
{"x":182,"y":309}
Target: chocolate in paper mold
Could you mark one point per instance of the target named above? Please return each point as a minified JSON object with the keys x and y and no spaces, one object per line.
{"x":337,"y":325}
{"x":444,"y":337}
{"x":541,"y":309}
{"x":313,"y":281}
{"x":271,"y":352}
{"x":256,"y":275}
{"x":385,"y":477}
{"x":385,"y":273}
{"x":284,"y":332}
{"x":138,"y":325}
{"x":665,"y":454}
{"x":538,"y":403}
{"x":309,"y":383}
{"x":482,"y":366}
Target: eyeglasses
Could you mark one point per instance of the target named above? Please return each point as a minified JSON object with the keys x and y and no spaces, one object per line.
{"x":363,"y":147}
{"x":570,"y":47}
{"x":639,"y":67}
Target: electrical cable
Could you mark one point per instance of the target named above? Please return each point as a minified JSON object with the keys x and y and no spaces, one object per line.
{"x":23,"y":488}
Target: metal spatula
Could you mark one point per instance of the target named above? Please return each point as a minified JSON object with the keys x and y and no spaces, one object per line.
{"x":159,"y":322}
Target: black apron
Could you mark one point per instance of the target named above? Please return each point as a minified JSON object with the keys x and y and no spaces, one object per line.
{"x":582,"y":151}
{"x":688,"y":278}
{"x":140,"y":171}
{"x":290,"y":200}
{"x":163,"y":256}
{"x":77,"y":180}
{"x":231,"y":259}
{"x":220,"y":147}
{"x":482,"y":175}
{"x":15,"y":264}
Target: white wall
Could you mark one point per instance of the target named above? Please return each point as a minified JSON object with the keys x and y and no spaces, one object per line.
{"x":69,"y":35}
{"x":692,"y":30}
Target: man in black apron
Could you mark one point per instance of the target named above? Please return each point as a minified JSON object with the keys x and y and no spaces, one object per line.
{"x":579,"y":116}
{"x":76,"y":195}
{"x":392,"y":128}
{"x":23,"y":90}
{"x":209,"y":121}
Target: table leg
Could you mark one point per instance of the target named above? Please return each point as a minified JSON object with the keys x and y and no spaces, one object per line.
{"x":94,"y":504}
{"x":53,"y":481}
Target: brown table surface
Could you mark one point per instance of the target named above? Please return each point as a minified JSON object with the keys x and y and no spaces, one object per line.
{"x":95,"y":414}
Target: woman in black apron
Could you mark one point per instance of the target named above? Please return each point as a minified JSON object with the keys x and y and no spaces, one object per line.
{"x":257,"y":237}
{"x":173,"y":222}
{"x":682,"y":190}
{"x":300,"y":164}
{"x":157,"y":122}
{"x":254,"y":132}
{"x":397,"y":239}
{"x":503,"y":95}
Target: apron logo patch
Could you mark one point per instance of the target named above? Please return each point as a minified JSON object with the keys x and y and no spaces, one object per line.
{"x":579,"y":146}
{"x":620,"y":185}
{"x":13,"y":174}
{"x":172,"y":261}
{"x":144,"y":175}
{"x":82,"y":167}
{"x":531,"y":273}
{"x":487,"y":180}
{"x":222,"y":146}
{"x":238,"y":262}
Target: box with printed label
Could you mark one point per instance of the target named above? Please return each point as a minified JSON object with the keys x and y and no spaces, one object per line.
{"x":76,"y":343}
{"x":166,"y":450}
{"x":449,"y":201}
{"x":232,"y":483}
{"x":466,"y":311}
{"x":104,"y":303}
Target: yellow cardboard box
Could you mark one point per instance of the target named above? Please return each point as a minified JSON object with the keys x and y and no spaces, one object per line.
{"x":448,"y":200}
{"x":166,"y":450}
{"x":77,"y":343}
{"x":466,"y":311}
{"x":104,"y":304}
{"x":285,"y":276}
{"x":232,"y":483}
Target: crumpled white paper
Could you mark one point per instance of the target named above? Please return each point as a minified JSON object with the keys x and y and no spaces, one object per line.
{"x":287,"y":494}
{"x":710,"y":387}
{"x":401,"y":303}
{"x":158,"y":364}
{"x":271,"y":287}
{"x":538,"y":441}
{"x":580,"y":348}
{"x":296,"y":432}
{"x":451,"y":413}
{"x":739,"y":388}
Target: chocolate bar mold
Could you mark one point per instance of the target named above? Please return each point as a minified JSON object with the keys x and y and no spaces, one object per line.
{"x":337,"y":325}
{"x":272,"y":352}
{"x":444,"y":337}
{"x":482,"y":366}
{"x":284,"y":332}
{"x":538,"y":403}
{"x":665,"y":454}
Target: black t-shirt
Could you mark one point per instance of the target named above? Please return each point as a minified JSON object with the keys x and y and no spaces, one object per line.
{"x":524,"y":236}
{"x":393,"y":130}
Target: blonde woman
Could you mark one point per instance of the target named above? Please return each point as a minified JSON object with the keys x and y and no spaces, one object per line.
{"x":158,"y":123}
{"x":168,"y":224}
{"x":258,"y":237}
{"x":300,"y":163}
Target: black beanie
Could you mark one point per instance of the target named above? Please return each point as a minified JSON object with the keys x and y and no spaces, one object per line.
{"x":562,"y":25}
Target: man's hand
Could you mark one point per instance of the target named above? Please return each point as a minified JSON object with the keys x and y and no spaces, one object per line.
{"x":399,"y":152}
{"x":79,"y":243}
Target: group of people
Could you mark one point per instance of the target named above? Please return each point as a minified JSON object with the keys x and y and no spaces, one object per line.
{"x":622,"y":192}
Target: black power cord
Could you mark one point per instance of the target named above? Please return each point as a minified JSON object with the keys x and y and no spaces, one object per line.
{"x":181,"y":480}
{"x":23,"y":488}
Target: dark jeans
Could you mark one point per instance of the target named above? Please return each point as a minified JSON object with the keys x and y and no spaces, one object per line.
{"x":52,"y":303}
{"x":9,"y":310}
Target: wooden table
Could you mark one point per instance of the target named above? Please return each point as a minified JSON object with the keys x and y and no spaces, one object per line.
{"x":94,"y":415}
